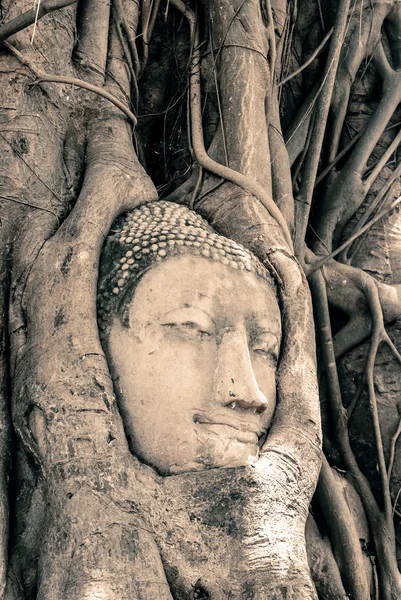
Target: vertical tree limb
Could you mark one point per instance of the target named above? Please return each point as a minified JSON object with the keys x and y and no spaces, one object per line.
{"x":91,"y":49}
{"x":201,"y":155}
{"x":343,"y":535}
{"x":322,"y":109}
{"x":383,"y":532}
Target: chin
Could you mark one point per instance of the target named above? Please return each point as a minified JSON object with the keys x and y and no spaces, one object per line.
{"x":238,"y":454}
{"x":215,"y":452}
{"x":235,"y":454}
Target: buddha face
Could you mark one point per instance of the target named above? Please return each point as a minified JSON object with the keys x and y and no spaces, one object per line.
{"x":195,"y":368}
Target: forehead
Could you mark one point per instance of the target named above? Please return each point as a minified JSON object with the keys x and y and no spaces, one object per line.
{"x":185,"y":281}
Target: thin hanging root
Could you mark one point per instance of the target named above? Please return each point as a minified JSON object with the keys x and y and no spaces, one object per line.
{"x":31,"y":16}
{"x":380,"y":198}
{"x":216,"y":86}
{"x":128,"y":59}
{"x":146,"y":12}
{"x":309,"y":61}
{"x":339,"y":156}
{"x":117,"y":4}
{"x":91,"y":88}
{"x":322,"y":108}
{"x":36,"y":21}
{"x":381,"y":163}
{"x":311,"y":268}
{"x":379,"y":335}
{"x":394,"y":440}
{"x":382,"y":527}
{"x":301,"y":159}
{"x":198,"y":145}
{"x":148,"y":23}
{"x":395,"y":511}
{"x":272,"y":44}
{"x":375,"y":579}
{"x":45,"y":77}
{"x":355,"y":400}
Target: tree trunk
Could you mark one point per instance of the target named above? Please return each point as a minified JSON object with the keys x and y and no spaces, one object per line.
{"x":106,"y":106}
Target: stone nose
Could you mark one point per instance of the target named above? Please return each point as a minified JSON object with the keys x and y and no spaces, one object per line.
{"x":237,"y":387}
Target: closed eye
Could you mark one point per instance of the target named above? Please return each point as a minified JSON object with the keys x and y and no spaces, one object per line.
{"x":193,"y":325}
{"x":190,"y":321}
{"x":266,"y":346}
{"x":190,"y":327}
{"x":267,"y":354}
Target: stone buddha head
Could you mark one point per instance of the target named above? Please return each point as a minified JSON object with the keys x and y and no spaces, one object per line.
{"x":191,"y":327}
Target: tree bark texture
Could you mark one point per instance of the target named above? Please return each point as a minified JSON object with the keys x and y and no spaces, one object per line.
{"x":279,"y":123}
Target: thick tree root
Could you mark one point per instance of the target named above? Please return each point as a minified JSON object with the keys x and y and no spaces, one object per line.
{"x":382,"y":527}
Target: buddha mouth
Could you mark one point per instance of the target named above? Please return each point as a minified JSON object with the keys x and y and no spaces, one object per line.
{"x":244,"y":432}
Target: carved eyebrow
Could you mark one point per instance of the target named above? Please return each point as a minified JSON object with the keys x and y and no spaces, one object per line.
{"x":260,"y":331}
{"x":188,"y":313}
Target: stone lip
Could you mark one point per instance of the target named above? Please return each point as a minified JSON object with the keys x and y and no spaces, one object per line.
{"x":244,"y":430}
{"x":244,"y":436}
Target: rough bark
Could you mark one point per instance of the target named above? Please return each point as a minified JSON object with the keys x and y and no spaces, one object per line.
{"x":84,"y":514}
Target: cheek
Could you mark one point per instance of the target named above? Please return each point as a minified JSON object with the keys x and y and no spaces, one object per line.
{"x":166,"y":375}
{"x":163,"y":384}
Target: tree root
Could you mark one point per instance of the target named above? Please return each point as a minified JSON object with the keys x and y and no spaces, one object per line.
{"x":5,"y":421}
{"x":122,"y":22}
{"x":347,"y":189}
{"x":198,"y":146}
{"x":91,"y":88}
{"x":309,"y":61}
{"x":343,"y":535}
{"x":319,"y":127}
{"x":92,"y":38}
{"x":379,"y":335}
{"x":382,"y":527}
{"x":380,"y":198}
{"x":31,"y":16}
{"x":314,"y":266}
{"x":45,"y":77}
{"x":394,"y":440}
{"x":325,"y":573}
{"x":148,"y":19}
